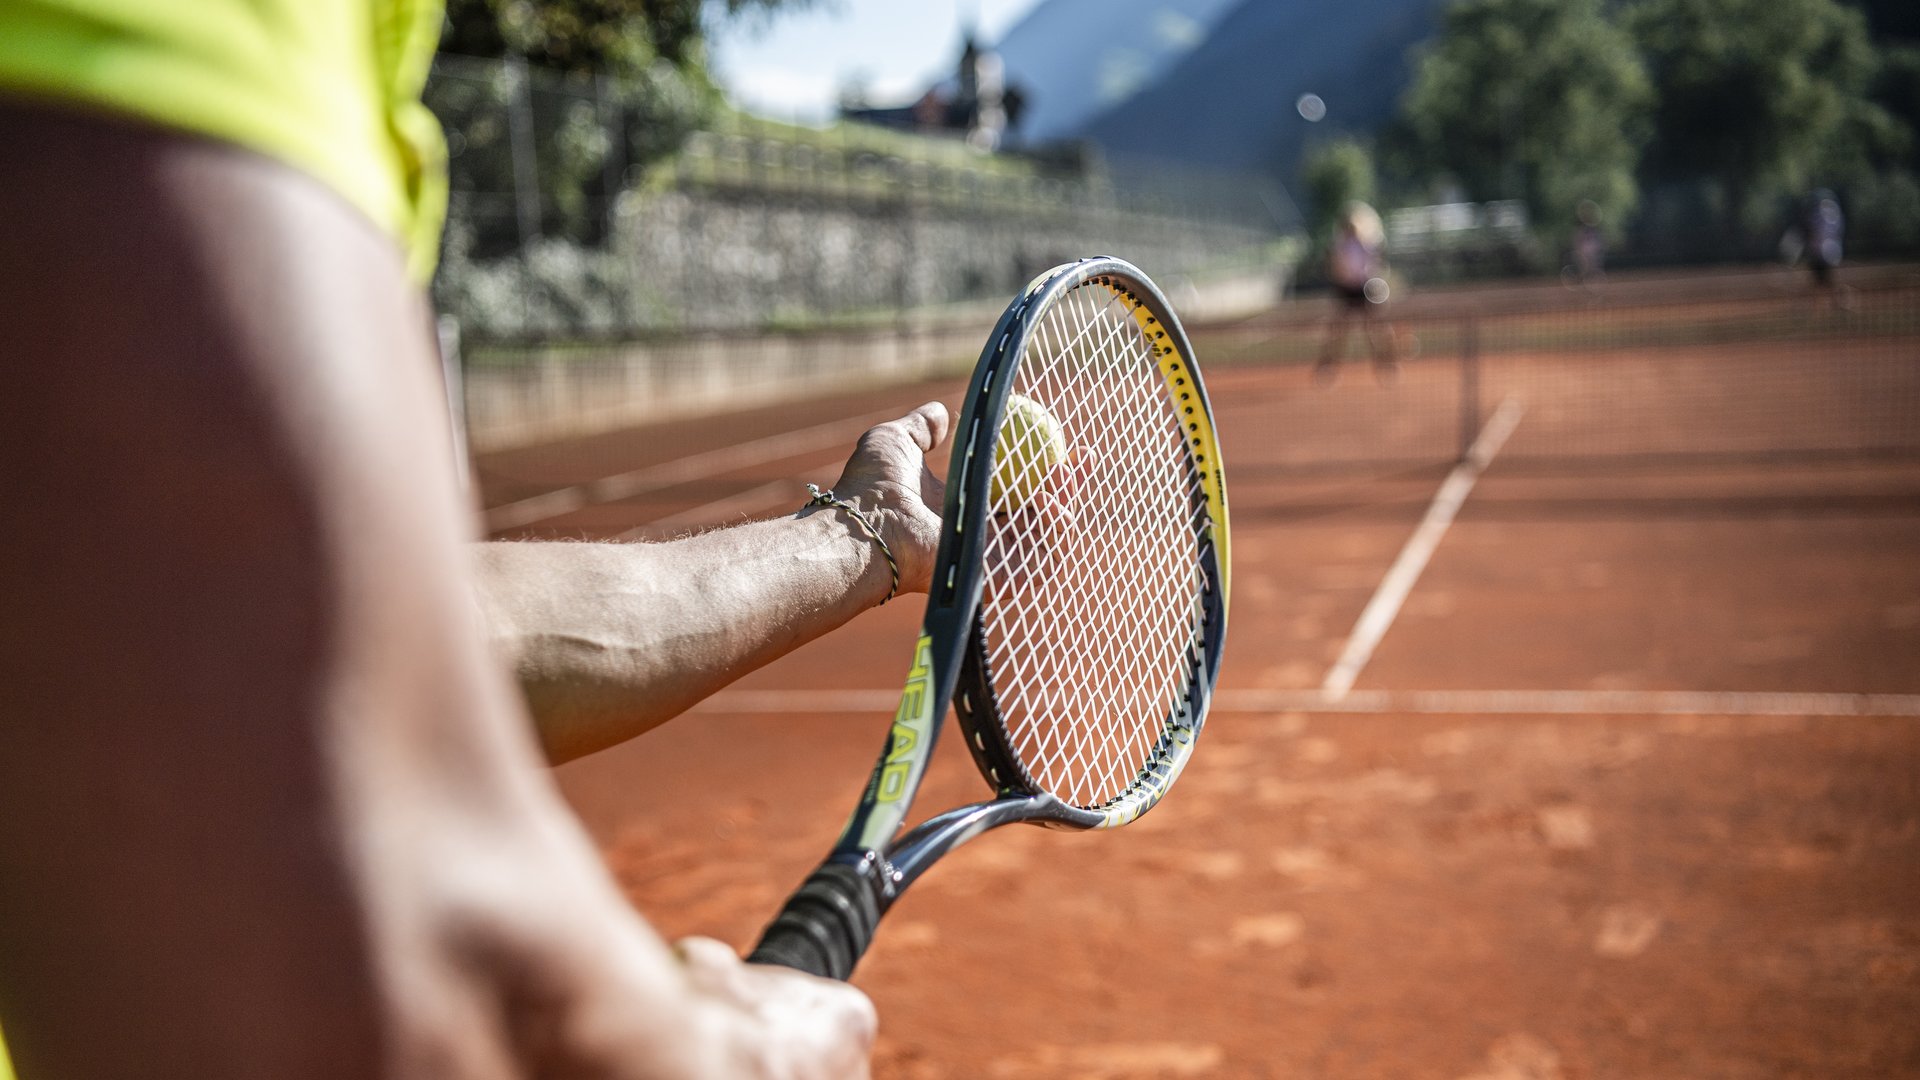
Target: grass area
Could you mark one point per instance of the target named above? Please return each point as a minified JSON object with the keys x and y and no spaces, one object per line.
{"x":856,"y":138}
{"x":859,"y":160}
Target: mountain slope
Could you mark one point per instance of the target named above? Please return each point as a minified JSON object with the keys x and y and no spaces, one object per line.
{"x":1075,"y":58}
{"x":1229,"y":103}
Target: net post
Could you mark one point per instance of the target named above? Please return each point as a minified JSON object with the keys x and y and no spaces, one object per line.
{"x":1469,"y":385}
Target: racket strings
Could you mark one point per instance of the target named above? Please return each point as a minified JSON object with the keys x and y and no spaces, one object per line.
{"x":1110,"y":749}
{"x":1093,"y":590}
{"x":1114,"y":613}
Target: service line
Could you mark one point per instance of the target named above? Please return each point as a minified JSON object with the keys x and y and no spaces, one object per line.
{"x":1406,"y":569}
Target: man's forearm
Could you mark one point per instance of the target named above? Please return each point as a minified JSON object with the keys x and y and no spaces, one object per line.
{"x":610,"y":640}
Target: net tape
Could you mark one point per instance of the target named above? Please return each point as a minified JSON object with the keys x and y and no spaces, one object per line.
{"x":1093,"y":586}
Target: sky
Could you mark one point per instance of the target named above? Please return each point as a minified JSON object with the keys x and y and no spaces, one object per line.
{"x":794,"y":64}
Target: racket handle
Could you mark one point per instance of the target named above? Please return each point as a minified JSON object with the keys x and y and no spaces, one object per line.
{"x":827,"y":923}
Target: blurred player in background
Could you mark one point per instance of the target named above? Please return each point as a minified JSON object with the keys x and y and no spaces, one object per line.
{"x":1817,"y":234}
{"x":1588,"y":269}
{"x":1356,"y":266}
{"x":270,"y":804}
{"x":1825,"y":229}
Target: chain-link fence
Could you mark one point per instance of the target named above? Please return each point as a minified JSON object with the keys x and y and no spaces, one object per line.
{"x":588,"y":208}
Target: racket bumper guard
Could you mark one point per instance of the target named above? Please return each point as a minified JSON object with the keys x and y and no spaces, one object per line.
{"x":829,"y":921}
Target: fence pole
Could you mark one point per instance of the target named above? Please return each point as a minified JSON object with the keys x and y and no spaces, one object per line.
{"x":526,"y":176}
{"x":1469,"y":384}
{"x":526,"y":170}
{"x":613,"y":168}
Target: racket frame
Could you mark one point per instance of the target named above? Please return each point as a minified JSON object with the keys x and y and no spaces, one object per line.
{"x":834,"y":913}
{"x":974,"y":704}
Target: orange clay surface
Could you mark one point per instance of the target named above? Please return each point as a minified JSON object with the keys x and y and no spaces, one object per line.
{"x":1375,"y":894}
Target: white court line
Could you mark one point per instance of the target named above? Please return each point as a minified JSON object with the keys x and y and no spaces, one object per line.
{"x":1405,"y":571}
{"x":626,"y":485}
{"x":1418,"y":702}
{"x":1573,"y":702}
{"x":745,"y":503}
{"x":800,"y":701}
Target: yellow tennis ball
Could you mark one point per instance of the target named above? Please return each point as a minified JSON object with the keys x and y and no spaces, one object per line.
{"x":1031,"y":444}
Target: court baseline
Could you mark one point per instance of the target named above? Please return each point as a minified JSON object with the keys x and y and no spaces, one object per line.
{"x":1413,"y":702}
{"x":626,"y":485}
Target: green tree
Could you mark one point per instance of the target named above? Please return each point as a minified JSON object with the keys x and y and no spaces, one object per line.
{"x":1334,"y":174}
{"x":1883,"y":190}
{"x":608,"y":85}
{"x":1539,"y":100}
{"x":1896,"y":88}
{"x":1761,"y":98}
{"x":592,"y":37}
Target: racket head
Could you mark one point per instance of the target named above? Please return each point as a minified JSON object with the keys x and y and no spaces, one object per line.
{"x":986,"y":639}
{"x":1097,"y":596}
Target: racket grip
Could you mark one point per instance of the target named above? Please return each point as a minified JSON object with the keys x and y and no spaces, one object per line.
{"x":827,"y":923}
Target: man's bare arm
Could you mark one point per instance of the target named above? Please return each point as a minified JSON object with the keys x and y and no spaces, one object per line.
{"x":268,"y":804}
{"x":610,"y":640}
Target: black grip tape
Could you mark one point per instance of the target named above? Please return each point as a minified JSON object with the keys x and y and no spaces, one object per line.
{"x":827,"y":924}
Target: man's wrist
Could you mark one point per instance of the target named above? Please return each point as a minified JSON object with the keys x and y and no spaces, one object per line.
{"x":873,"y":577}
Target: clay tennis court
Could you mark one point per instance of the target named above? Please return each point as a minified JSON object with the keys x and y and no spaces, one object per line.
{"x":1626,"y":782}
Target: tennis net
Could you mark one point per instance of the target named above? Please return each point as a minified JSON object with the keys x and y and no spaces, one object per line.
{"x":1748,"y":367}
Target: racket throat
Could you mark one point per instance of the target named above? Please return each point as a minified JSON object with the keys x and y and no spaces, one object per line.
{"x":936,"y":836}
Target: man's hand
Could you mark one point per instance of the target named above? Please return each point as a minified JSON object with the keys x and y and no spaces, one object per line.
{"x":812,"y":1029}
{"x":887,"y":477}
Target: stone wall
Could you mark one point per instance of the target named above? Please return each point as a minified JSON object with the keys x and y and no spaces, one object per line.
{"x":547,"y":394}
{"x":524,"y":396}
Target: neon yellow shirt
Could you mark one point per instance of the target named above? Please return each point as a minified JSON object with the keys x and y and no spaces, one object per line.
{"x":331,"y":87}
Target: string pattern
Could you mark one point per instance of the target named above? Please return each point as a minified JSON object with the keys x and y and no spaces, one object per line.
{"x":1093,"y":589}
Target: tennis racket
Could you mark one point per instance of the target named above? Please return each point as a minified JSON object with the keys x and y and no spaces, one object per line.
{"x":1079,"y":599}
